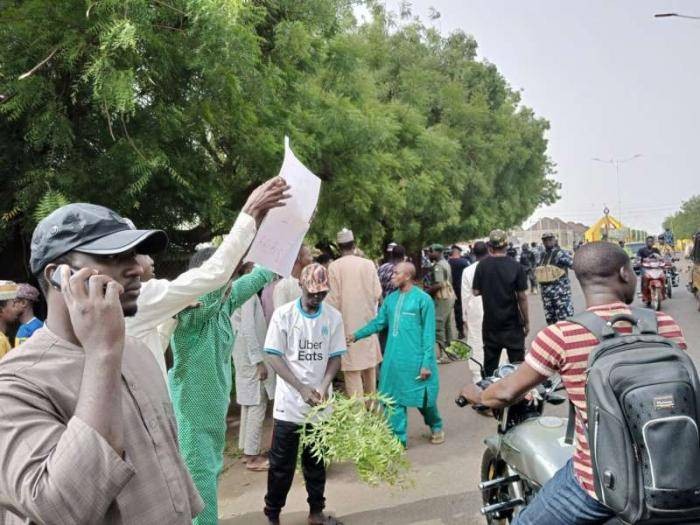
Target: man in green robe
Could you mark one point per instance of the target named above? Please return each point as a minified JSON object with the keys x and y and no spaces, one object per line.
{"x":409,"y":372}
{"x":200,"y":379}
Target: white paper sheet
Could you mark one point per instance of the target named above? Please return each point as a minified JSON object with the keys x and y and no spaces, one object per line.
{"x":282,"y":232}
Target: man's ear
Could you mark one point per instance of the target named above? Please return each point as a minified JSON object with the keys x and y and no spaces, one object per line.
{"x":49,"y":270}
{"x":624,"y":273}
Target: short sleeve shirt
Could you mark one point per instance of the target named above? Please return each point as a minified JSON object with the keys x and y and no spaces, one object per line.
{"x":499,"y":279}
{"x":306,"y":342}
{"x":442,"y":272}
{"x":26,"y":330}
{"x":564,"y":347}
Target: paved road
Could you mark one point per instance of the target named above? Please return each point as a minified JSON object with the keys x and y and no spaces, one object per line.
{"x":445,"y":476}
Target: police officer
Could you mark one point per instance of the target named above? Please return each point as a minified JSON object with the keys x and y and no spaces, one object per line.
{"x":556,"y":295}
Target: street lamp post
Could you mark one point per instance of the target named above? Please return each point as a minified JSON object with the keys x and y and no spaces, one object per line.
{"x":618,"y":164}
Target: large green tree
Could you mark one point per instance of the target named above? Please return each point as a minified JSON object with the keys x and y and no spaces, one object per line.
{"x":686,"y":221}
{"x":170,"y":111}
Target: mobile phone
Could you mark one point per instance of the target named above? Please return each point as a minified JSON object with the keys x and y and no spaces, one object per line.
{"x":56,"y":276}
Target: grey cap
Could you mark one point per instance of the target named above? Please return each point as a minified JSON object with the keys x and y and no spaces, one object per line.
{"x":92,"y":229}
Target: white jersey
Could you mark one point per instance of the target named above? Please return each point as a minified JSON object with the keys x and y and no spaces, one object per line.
{"x":306,"y":342}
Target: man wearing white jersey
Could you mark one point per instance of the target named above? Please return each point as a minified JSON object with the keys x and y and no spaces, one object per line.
{"x":304,"y":344}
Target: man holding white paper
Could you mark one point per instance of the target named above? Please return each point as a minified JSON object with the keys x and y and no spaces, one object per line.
{"x":281,"y":234}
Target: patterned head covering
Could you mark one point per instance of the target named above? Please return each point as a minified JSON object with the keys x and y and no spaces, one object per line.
{"x":28,"y":292}
{"x":314,"y":278}
{"x":8,"y":290}
{"x":498,"y":239}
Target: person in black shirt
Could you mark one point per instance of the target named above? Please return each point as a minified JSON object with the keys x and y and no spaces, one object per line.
{"x":648,"y":249}
{"x":457,"y":265}
{"x":502,"y":285}
{"x":528,"y":260}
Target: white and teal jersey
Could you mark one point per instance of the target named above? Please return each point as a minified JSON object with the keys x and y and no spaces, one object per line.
{"x":306,"y":342}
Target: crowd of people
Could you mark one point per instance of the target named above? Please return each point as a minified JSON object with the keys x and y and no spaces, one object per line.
{"x":92,"y":393}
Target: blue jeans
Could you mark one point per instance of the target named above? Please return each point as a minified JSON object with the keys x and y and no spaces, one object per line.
{"x":562,"y":501}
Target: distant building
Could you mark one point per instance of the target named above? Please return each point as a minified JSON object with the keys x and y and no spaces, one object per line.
{"x":568,"y":233}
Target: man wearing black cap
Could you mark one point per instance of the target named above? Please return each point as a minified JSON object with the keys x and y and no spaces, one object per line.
{"x":86,"y":427}
{"x":552,"y":274}
{"x":502,"y":285}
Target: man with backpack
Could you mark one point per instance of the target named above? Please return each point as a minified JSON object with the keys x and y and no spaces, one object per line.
{"x":601,"y":358}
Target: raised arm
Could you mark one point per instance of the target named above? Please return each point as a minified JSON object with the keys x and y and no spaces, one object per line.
{"x":246,"y":286}
{"x":161,"y":299}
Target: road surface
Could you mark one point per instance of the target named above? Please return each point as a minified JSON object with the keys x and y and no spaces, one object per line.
{"x":446,"y":476}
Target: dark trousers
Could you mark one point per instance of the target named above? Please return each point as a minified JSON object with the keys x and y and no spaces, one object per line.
{"x":459,"y":319}
{"x":513,"y":340}
{"x":283,"y":462}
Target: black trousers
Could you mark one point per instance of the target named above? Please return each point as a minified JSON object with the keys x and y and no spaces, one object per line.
{"x":495,"y":341}
{"x":459,"y":318}
{"x":283,"y":462}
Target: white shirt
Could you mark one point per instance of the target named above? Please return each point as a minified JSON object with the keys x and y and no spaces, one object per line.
{"x":286,"y":291}
{"x":306,"y":342}
{"x":160,"y":300}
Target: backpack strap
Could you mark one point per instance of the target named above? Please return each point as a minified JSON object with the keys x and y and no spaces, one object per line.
{"x":594,"y":324}
{"x":647,"y":322}
{"x":570,"y":425}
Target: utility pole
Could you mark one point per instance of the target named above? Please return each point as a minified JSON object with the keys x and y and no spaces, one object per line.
{"x":618,"y":165}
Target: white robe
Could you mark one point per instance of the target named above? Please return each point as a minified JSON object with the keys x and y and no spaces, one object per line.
{"x":473,"y":314}
{"x":249,"y":330}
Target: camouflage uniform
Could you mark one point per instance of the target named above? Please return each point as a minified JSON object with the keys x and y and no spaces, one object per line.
{"x":556,"y":296}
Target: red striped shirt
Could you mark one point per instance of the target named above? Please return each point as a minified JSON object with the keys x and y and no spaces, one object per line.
{"x":564,"y":347}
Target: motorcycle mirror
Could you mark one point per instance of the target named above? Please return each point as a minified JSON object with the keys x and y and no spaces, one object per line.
{"x":481,"y":367}
{"x":555,"y":399}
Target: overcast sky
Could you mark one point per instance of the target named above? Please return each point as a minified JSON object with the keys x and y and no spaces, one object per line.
{"x":613,"y":82}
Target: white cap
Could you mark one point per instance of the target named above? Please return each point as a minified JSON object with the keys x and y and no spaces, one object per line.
{"x":345,"y":236}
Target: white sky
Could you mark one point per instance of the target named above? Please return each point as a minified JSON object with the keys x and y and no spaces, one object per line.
{"x":612,"y":80}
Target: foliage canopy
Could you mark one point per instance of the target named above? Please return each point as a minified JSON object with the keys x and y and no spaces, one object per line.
{"x":686,"y":221}
{"x":170,"y":111}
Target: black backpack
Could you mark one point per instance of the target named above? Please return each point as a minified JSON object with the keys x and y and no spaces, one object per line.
{"x":643,"y":401}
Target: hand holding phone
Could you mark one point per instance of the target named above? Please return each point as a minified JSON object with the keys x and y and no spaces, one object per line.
{"x":95,"y":309}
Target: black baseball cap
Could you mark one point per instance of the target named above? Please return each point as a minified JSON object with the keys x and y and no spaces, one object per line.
{"x":89,"y":228}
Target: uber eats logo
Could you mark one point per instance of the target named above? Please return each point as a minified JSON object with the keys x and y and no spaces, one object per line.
{"x":310,"y":351}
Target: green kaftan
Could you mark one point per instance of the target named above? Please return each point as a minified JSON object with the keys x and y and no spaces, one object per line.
{"x":200,"y":382}
{"x":410,"y":317}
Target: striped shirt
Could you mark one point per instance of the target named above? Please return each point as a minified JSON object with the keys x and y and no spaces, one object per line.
{"x":564,"y":347}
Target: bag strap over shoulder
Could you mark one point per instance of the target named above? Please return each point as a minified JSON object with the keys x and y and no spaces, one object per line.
{"x":643,"y":322}
{"x":594,"y":324}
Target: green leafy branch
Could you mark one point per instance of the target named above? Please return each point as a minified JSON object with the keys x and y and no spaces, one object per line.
{"x":344,"y":430}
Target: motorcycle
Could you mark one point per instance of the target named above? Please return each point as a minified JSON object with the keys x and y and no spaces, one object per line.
{"x":525,"y":452}
{"x":654,"y":281}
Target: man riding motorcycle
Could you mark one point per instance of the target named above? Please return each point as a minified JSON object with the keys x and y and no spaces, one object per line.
{"x":608,"y":282}
{"x":665,"y":249}
{"x":645,"y":252}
